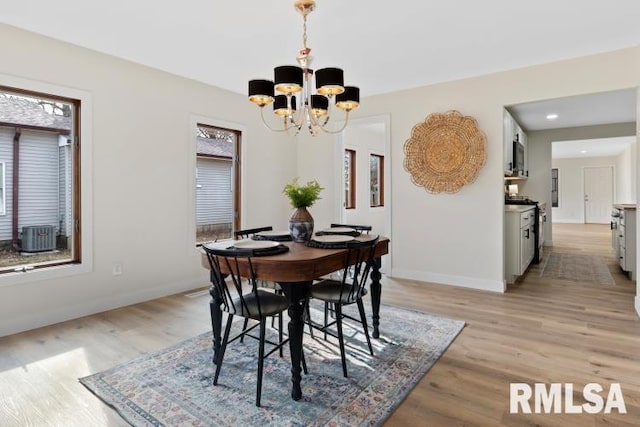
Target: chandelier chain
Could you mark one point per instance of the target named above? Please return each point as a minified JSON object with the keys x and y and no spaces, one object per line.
{"x":304,"y":32}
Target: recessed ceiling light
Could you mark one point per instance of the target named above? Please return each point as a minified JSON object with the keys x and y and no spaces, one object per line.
{"x":552,"y":116}
{"x":583,"y":151}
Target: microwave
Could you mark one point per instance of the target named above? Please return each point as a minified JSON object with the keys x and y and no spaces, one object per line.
{"x":518,"y":158}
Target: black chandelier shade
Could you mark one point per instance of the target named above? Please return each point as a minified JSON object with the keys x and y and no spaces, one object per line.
{"x":288,"y":78}
{"x":349,"y":99}
{"x":319,"y":105}
{"x":329,"y":81}
{"x":261,"y":92}
{"x":280,"y":106}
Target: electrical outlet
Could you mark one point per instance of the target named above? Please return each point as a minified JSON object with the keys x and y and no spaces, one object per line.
{"x":116,"y":270}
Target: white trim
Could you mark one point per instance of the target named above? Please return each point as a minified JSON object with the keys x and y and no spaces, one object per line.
{"x":60,"y":313}
{"x":637,"y":305}
{"x":86,"y":182}
{"x":445,"y":279}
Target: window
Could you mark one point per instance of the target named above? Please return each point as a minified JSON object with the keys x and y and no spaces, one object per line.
{"x":217,"y":183}
{"x":554,"y":188}
{"x":39,"y":180}
{"x":349,"y":179}
{"x":376,"y":180}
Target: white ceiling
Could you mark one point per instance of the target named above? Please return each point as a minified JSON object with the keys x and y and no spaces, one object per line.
{"x":382,"y":49}
{"x":584,"y":110}
{"x":604,"y":147}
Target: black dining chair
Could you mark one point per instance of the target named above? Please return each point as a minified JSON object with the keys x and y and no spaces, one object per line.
{"x":257,"y":304}
{"x":350,"y":289}
{"x":245,"y":234}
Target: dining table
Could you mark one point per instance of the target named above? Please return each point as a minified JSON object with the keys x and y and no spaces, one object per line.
{"x":295,"y":270}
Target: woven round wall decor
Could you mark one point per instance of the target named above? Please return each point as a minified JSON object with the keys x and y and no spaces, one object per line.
{"x":445,"y":152}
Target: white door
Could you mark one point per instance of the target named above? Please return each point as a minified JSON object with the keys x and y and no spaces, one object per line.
{"x":598,"y":194}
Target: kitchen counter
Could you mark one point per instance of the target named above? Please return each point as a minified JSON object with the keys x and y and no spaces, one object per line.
{"x":518,"y":208}
{"x":625,"y":206}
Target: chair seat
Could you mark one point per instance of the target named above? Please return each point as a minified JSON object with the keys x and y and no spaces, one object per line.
{"x":270,"y":305}
{"x":332,"y":290}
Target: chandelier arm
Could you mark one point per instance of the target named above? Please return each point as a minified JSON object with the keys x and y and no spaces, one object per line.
{"x":285,"y":128}
{"x":334,"y":131}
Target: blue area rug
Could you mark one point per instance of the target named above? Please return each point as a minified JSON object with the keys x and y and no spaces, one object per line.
{"x":174,"y":386}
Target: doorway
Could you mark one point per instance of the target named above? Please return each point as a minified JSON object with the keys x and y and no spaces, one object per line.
{"x":365,"y":183}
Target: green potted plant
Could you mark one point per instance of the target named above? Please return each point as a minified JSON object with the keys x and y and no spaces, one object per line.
{"x":302,"y":196}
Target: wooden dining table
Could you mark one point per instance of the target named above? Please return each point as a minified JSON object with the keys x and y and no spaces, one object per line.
{"x":295,"y":271}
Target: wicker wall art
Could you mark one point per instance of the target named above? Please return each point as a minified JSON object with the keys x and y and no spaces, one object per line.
{"x":445,"y":152}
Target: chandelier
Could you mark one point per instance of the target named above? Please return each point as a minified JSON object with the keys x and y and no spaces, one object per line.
{"x":295,"y":103}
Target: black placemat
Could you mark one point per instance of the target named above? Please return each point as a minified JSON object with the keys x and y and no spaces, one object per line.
{"x":276,"y":250}
{"x":280,"y":238}
{"x":353,"y":233}
{"x":326,"y":245}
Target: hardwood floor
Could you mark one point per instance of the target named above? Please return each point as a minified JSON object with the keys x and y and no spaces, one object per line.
{"x":538,"y":331}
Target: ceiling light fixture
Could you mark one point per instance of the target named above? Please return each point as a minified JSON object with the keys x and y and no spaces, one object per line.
{"x":552,"y":116}
{"x":312,"y":110}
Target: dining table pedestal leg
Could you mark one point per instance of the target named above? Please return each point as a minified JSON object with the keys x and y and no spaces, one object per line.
{"x":376,"y":291}
{"x":296,"y":294}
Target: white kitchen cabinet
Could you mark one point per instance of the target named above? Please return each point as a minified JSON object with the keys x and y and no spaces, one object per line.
{"x":519,"y":239}
{"x":508,"y":131}
{"x":623,"y":237}
{"x":511,"y":131}
{"x":523,"y":140}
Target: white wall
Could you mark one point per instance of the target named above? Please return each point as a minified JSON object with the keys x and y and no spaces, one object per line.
{"x":458,"y":238}
{"x":143,"y":153}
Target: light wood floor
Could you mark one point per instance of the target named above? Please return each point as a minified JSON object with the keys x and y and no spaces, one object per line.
{"x":539,"y":331}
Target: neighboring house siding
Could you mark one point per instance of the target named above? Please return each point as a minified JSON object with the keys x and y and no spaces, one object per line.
{"x":214,"y":195}
{"x":39,"y":186}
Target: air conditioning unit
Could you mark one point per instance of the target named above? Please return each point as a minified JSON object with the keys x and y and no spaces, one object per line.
{"x":38,"y":238}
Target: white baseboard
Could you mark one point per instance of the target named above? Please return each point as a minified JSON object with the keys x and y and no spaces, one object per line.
{"x":637,"y":304}
{"x":567,"y":221}
{"x":88,"y":307}
{"x":444,"y":279}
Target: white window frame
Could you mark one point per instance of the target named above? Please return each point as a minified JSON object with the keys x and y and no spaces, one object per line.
{"x":3,"y":198}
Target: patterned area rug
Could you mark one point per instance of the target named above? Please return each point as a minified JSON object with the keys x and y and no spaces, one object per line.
{"x":174,"y":386}
{"x":579,"y":268}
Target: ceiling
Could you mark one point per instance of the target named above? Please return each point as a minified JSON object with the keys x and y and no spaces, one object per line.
{"x":382,"y":49}
{"x":604,"y":147}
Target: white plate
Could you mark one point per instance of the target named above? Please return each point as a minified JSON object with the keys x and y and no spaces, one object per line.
{"x":273,"y":233}
{"x":338,"y":230}
{"x":333,"y":238}
{"x":255,"y":244}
